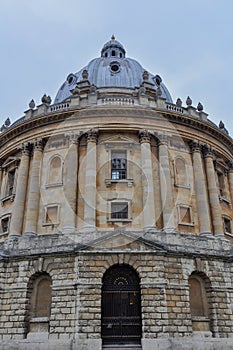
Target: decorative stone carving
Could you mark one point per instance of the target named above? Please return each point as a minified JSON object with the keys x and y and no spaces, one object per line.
{"x":38,"y":144}
{"x":189,"y":101}
{"x":222,"y":127}
{"x":195,"y":146}
{"x":46,"y":99}
{"x":85,"y":74}
{"x":145,"y":76}
{"x":144,"y":136}
{"x":25,"y":148}
{"x":73,"y":138}
{"x":92,"y":135}
{"x":200,"y":107}
{"x":179,"y":102}
{"x":207,"y":151}
{"x":32,"y":104}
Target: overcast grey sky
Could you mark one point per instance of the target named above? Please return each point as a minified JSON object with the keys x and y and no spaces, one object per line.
{"x":188,"y":43}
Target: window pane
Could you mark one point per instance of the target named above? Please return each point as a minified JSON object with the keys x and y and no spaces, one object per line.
{"x":5,"y":224}
{"x":119,"y":211}
{"x":227,"y":225}
{"x":185,"y":215}
{"x":119,"y":165}
{"x":180,"y":172}
{"x":10,"y":183}
{"x":51,"y":214}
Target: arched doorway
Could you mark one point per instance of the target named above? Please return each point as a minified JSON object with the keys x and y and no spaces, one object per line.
{"x":121,"y":306}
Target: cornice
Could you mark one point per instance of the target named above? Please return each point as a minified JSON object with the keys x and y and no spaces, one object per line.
{"x":137,"y":112}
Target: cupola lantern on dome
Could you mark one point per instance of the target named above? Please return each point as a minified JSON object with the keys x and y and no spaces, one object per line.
{"x":112,"y":70}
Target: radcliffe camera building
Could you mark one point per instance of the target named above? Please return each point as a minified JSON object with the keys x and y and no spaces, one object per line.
{"x":116,"y":217}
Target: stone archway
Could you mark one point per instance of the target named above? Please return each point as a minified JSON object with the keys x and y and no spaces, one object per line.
{"x":121,"y":306}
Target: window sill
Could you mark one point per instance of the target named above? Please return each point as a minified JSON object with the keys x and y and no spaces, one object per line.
{"x":186,"y":224}
{"x":228,"y":234}
{"x":119,"y":220}
{"x":225,"y":200}
{"x":110,"y":182}
{"x":8,"y":198}
{"x":59,"y":184}
{"x":187,"y":187}
{"x":51,"y":224}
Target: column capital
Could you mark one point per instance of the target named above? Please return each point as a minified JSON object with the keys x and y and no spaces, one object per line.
{"x":92,"y":135}
{"x":25,"y":149}
{"x":208,"y":151}
{"x":195,"y":146}
{"x":73,"y":137}
{"x":38,"y":145}
{"x":144,"y":136}
{"x":163,"y":138}
{"x":230,"y":167}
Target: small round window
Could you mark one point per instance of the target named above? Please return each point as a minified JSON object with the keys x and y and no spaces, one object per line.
{"x":115,"y":67}
{"x":71,"y":79}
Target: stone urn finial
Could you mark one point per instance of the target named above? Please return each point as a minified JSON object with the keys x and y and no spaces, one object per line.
{"x":189,"y":101}
{"x":32,"y":104}
{"x":200,"y":107}
{"x":7,"y":122}
{"x":179,"y":102}
{"x":44,"y":99}
{"x":85,"y":74}
{"x":145,"y":76}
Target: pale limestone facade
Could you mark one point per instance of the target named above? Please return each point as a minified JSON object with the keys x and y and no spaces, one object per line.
{"x":69,"y":214}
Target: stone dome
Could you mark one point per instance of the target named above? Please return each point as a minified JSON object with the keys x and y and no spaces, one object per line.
{"x":112,"y":69}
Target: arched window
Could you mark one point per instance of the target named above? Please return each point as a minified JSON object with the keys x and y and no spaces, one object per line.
{"x":199,"y":302}
{"x":181,"y":178}
{"x":39,"y":308}
{"x":55,"y":171}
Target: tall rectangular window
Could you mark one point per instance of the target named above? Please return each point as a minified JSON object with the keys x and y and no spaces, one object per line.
{"x":51,"y":215}
{"x":227,"y":225}
{"x":119,"y":165}
{"x":220,"y":183}
{"x":10,"y":182}
{"x":5,"y":224}
{"x":119,"y":210}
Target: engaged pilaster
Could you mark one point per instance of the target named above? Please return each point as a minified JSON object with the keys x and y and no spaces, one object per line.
{"x":200,"y":188}
{"x":230,"y":179}
{"x":166,"y":184}
{"x":70,"y":207}
{"x":147,"y":181}
{"x":90,"y":182}
{"x":34,"y":189}
{"x":213,"y":192}
{"x":21,"y":191}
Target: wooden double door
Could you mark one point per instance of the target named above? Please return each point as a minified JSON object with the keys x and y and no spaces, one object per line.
{"x":121,"y":306}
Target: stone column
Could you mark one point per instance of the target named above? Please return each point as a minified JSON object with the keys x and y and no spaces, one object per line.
{"x":90,"y":182}
{"x":1,"y":178}
{"x":34,"y":189}
{"x":200,"y":189}
{"x":230,"y":180}
{"x":166,"y":184}
{"x":20,"y":194}
{"x":147,"y":181}
{"x":215,"y":207}
{"x":70,"y":207}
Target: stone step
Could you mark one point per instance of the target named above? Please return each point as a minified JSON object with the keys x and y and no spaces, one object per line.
{"x":122,"y":347}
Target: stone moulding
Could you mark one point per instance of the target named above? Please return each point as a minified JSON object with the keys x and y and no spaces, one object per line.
{"x":173,"y":117}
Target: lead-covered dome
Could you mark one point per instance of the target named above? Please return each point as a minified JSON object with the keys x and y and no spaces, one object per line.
{"x":112,"y":69}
